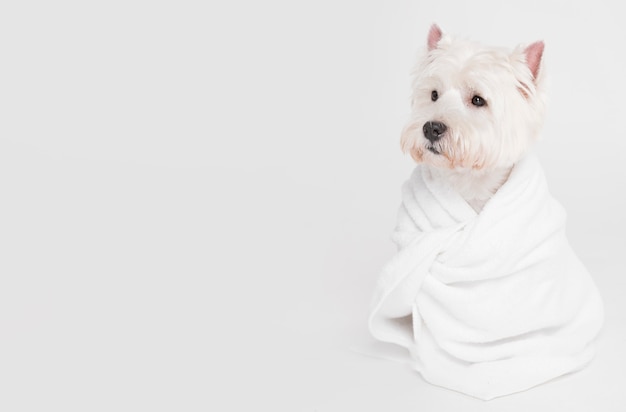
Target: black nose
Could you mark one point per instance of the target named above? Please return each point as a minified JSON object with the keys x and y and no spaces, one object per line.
{"x":434,"y":130}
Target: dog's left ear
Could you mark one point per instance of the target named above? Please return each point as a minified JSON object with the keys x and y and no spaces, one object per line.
{"x":533,"y":54}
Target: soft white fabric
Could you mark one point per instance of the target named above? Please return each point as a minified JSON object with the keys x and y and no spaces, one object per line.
{"x":492,"y":303}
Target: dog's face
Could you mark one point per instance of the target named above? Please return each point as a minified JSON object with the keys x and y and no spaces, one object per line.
{"x":474,"y":107}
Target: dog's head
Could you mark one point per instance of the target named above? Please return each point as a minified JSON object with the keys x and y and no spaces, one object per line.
{"x":474,"y":107}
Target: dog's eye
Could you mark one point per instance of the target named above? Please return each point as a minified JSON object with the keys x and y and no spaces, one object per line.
{"x":434,"y":95}
{"x":478,"y":101}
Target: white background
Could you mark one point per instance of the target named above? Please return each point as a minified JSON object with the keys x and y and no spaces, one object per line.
{"x":196,"y":199}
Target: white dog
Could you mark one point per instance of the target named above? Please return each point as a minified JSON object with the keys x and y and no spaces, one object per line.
{"x":485,"y":291}
{"x":475,"y":112}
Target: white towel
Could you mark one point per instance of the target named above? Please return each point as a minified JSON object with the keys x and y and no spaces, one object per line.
{"x":492,"y":303}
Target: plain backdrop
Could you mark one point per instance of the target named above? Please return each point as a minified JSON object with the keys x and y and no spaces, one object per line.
{"x":196,"y":198}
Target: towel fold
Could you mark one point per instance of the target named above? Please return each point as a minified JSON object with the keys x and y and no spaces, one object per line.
{"x":487,"y":303}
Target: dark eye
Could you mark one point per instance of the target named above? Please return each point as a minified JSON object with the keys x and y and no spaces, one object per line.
{"x":434,"y":95}
{"x":478,"y":101}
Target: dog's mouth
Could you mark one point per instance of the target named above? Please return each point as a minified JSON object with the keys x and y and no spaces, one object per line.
{"x":433,"y":150}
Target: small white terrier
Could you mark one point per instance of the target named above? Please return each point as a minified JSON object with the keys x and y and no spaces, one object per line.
{"x":490,"y":301}
{"x":475,"y":112}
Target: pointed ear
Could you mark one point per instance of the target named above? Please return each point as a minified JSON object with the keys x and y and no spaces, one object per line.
{"x":434,"y":35}
{"x":533,"y":54}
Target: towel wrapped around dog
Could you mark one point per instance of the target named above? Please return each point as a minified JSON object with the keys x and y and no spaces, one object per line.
{"x":487,"y":303}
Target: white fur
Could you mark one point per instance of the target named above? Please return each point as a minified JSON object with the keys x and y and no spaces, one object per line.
{"x":481,"y":144}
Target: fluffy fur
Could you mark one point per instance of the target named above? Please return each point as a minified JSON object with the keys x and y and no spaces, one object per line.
{"x":483,"y":141}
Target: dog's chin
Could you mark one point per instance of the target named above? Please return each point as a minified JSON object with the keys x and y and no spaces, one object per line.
{"x":434,"y":150}
{"x":432,"y":155}
{"x":435,"y":153}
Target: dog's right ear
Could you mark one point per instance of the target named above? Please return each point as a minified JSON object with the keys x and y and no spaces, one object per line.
{"x":434,"y":35}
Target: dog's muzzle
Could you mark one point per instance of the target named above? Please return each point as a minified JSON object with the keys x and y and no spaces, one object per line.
{"x":433,"y":131}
